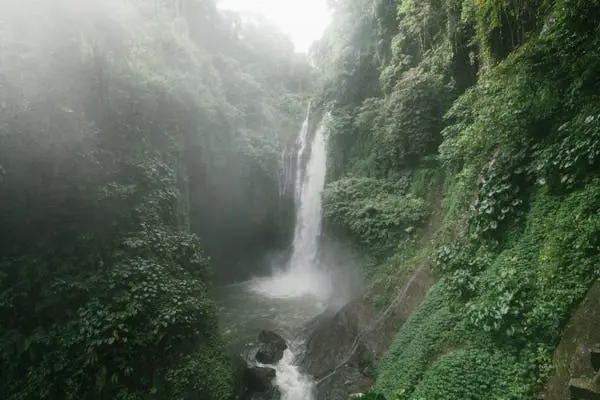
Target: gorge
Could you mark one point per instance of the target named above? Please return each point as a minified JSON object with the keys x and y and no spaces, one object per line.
{"x":192,"y":210}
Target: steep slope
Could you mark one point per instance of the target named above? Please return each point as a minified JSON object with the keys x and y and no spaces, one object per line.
{"x":495,"y":105}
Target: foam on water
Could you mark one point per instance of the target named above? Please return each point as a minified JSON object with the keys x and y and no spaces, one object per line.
{"x":294,"y":283}
{"x":293,"y":384}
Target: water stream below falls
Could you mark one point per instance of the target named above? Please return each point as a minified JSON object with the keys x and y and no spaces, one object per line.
{"x":293,"y":294}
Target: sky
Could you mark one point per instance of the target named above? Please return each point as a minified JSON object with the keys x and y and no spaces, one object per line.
{"x":303,"y":20}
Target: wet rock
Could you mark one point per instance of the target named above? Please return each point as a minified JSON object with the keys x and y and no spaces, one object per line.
{"x":572,"y":358}
{"x":582,"y":389}
{"x":343,"y":346}
{"x":595,"y":357}
{"x":259,"y":379}
{"x":333,"y":339}
{"x":344,"y":381}
{"x":271,"y":348}
{"x":272,"y":394}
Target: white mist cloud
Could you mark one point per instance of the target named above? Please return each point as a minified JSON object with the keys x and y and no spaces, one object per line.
{"x":303,"y":20}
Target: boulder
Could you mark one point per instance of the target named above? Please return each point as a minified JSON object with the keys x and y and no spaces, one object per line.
{"x":344,"y":345}
{"x":271,"y":347}
{"x":259,"y":379}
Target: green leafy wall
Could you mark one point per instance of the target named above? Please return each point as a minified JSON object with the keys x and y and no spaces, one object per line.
{"x":500,"y":99}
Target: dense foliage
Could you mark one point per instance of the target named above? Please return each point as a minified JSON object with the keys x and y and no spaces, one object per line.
{"x":375,"y":212}
{"x":140,"y":146}
{"x":126,"y":130}
{"x":502,"y":98}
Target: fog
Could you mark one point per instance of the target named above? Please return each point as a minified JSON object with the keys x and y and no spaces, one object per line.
{"x":124,"y":79}
{"x":142,"y":146}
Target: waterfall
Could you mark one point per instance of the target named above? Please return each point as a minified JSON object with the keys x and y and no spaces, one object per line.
{"x":309,"y":188}
{"x":302,"y":288}
{"x":302,"y":275}
{"x":302,"y":139}
{"x":302,"y":279}
{"x":287,"y":156}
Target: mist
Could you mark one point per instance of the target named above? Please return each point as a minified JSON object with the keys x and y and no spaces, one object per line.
{"x":140,"y":155}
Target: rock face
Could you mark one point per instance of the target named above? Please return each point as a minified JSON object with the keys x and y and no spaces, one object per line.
{"x":271,"y":348}
{"x":583,"y":389}
{"x":575,"y":355}
{"x":334,"y":337}
{"x":344,"y":346}
{"x":259,"y":379}
{"x":254,"y":383}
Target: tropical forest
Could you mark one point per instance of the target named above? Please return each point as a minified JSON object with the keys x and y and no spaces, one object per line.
{"x":192,"y":208}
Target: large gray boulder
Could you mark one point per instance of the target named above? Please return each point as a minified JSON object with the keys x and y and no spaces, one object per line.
{"x":271,"y":347}
{"x":344,"y":346}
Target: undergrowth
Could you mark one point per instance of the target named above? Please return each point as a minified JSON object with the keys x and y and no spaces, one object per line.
{"x":496,"y":339}
{"x":515,"y":239}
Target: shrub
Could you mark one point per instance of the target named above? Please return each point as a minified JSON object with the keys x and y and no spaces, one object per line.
{"x":378,"y":213}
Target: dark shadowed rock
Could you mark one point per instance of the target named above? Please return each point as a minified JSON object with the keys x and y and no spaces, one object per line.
{"x":344,"y":346}
{"x":595,"y":357}
{"x":334,"y":337}
{"x":270,"y":337}
{"x":271,"y":348}
{"x":573,"y":357}
{"x":583,"y":389}
{"x":269,"y":355}
{"x":272,"y":394}
{"x":259,"y":379}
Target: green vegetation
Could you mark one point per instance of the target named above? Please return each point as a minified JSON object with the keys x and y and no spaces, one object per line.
{"x":502,"y":98}
{"x":140,"y":147}
{"x":374,"y":211}
{"x":131,"y":135}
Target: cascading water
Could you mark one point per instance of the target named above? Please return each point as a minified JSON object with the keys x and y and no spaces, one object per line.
{"x":302,"y":276}
{"x":302,"y":139}
{"x":294,"y":294}
{"x":287,"y":172}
